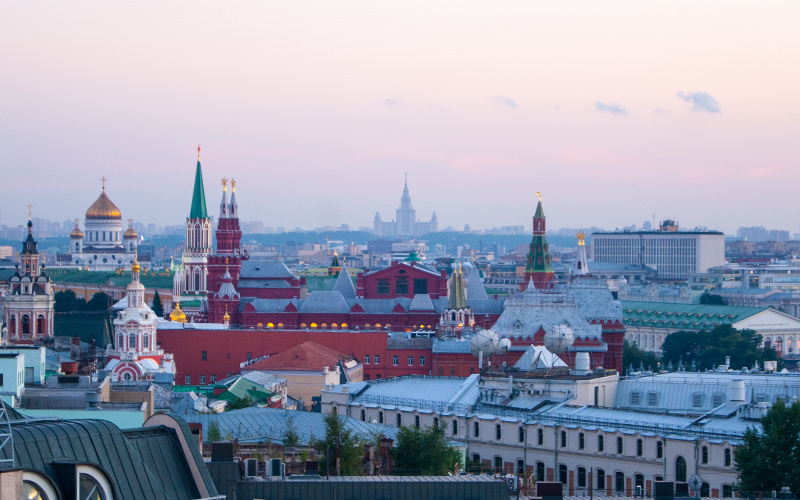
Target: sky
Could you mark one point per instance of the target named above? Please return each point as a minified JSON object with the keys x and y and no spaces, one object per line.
{"x":617,"y":112}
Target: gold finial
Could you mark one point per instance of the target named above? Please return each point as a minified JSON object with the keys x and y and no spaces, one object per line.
{"x":233,"y":185}
{"x":77,"y":221}
{"x":198,"y":152}
{"x":581,"y":238}
{"x":30,"y":206}
{"x":130,"y":222}
{"x":103,"y":180}
{"x":224,"y":183}
{"x":539,"y":195}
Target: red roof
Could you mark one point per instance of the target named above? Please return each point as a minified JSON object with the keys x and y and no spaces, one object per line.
{"x":308,"y":356}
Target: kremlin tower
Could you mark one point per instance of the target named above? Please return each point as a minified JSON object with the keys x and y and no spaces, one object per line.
{"x":226,"y":263}
{"x":191,"y":279}
{"x":539,"y":268}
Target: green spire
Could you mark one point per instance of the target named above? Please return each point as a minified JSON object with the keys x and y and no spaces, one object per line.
{"x":198,"y":210}
{"x":539,"y":210}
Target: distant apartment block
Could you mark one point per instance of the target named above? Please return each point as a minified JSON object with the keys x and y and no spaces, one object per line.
{"x":671,"y":252}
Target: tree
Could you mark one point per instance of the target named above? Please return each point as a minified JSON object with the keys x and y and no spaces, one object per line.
{"x":99,"y":302}
{"x":713,"y":299}
{"x":239,"y":403}
{"x":67,"y":301}
{"x":769,"y":459}
{"x":158,"y":307}
{"x":341,"y":443}
{"x":633,"y":356}
{"x":214,"y":433}
{"x":290,"y":437}
{"x":424,"y":452}
{"x":708,"y":348}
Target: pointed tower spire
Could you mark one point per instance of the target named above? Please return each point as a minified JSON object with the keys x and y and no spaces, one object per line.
{"x":233,"y":208}
{"x":539,"y":268}
{"x":198,"y":210}
{"x":223,"y":205}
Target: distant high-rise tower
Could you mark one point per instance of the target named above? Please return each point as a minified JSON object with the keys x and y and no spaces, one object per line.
{"x":406,"y":215}
{"x":539,"y":267}
{"x":406,"y":225}
{"x":191,"y":280}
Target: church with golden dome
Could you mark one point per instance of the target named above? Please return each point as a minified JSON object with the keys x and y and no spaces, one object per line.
{"x":102,"y":245}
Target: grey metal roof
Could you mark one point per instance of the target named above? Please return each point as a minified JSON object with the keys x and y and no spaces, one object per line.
{"x":538,"y":357}
{"x":344,"y":284}
{"x":451,"y":346}
{"x":442,"y":394}
{"x":272,"y":305}
{"x":261,"y":424}
{"x":421,"y":302}
{"x":264,"y":269}
{"x":475,"y":289}
{"x":139,"y":463}
{"x":324,"y":302}
{"x":409,"y":343}
{"x":594,"y":300}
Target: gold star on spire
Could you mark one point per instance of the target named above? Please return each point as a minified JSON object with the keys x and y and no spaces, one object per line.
{"x":224,"y":183}
{"x":103,"y":180}
{"x":233,"y":185}
{"x":29,"y":211}
{"x":539,"y":195}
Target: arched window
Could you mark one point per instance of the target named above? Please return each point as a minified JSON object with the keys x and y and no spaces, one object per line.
{"x":344,"y":325}
{"x":601,"y":479}
{"x":377,"y":325}
{"x":562,"y":473}
{"x":498,"y":432}
{"x":601,"y":445}
{"x":280,"y":325}
{"x":638,"y":484}
{"x":132,"y":341}
{"x":26,"y":324}
{"x":383,"y":287}
{"x":680,"y":469}
{"x":270,"y":325}
{"x":399,"y":420}
{"x":313,"y":325}
{"x":705,"y":490}
{"x":476,"y":429}
{"x":704,"y":454}
{"x":40,"y":324}
{"x":334,"y":325}
{"x":455,"y":427}
{"x":12,"y":325}
{"x":401,"y":286}
{"x":146,"y":341}
{"x":323,"y":325}
{"x":540,"y":471}
{"x":659,"y":449}
{"x":37,"y":487}
{"x":540,"y":437}
{"x":619,"y":482}
{"x":581,"y":477}
{"x":727,"y":457}
{"x":93,"y":485}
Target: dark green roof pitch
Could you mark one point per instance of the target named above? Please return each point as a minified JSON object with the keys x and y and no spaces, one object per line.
{"x":539,"y":210}
{"x":683,"y":316}
{"x":198,"y":210}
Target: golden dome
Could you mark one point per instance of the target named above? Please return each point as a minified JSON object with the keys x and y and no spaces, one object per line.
{"x":226,"y":317}
{"x":103,"y":208}
{"x":76,"y":233}
{"x":177,"y":315}
{"x":130,"y":233}
{"x":135,"y":267}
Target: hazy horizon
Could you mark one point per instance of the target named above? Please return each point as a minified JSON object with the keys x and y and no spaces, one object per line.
{"x":617,"y":112}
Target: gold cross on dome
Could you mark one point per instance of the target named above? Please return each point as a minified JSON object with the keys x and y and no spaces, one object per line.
{"x":233,"y":184}
{"x":103,"y":179}
{"x":29,"y":211}
{"x":224,"y":183}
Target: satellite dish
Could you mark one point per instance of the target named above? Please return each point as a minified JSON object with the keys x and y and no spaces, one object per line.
{"x":695,"y":483}
{"x":503,"y":346}
{"x":485,"y":341}
{"x":559,"y":338}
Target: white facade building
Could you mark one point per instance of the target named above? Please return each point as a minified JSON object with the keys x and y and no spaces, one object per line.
{"x":673,"y":254}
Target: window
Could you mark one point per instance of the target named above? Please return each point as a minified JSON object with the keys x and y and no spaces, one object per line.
{"x":705,"y":490}
{"x":540,"y":438}
{"x":652,"y":399}
{"x":601,"y":479}
{"x":680,"y":469}
{"x":187,"y":380}
{"x":704,"y":454}
{"x":146,"y":341}
{"x":249,"y":356}
{"x":204,"y":355}
{"x":635,"y":398}
{"x":498,"y":432}
{"x":380,"y":417}
{"x":366,"y":359}
{"x":455,"y":427}
{"x":401,"y":286}
{"x":638,"y":483}
{"x":697,"y":400}
{"x":601,"y":445}
{"x":659,"y":449}
{"x":727,"y":491}
{"x":420,"y":286}
{"x":639,"y":447}
{"x":383,"y":287}
{"x":563,"y":439}
{"x":476,"y":429}
{"x":540,"y":471}
{"x":727,"y":457}
{"x":498,"y":464}
{"x":213,"y":379}
{"x":411,"y":361}
{"x":202,"y":379}
{"x":452,"y":371}
{"x":422,"y":361}
{"x":395,"y":361}
{"x":399,"y":420}
{"x":620,"y":448}
{"x":562,"y":473}
{"x":521,"y":435}
{"x":581,"y":477}
{"x":363,"y":415}
{"x":619,"y":482}
{"x":377,"y":359}
{"x":719,"y":398}
{"x":132,"y":341}
{"x":520,"y":467}
{"x":416,"y":421}
{"x":581,"y":441}
{"x":92,"y":484}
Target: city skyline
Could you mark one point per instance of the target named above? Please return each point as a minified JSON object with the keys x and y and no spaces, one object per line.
{"x":675,"y":109}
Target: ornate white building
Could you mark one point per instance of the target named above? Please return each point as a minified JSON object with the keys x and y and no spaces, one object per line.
{"x":103,"y":246}
{"x":28,"y":311}
{"x":135,"y":355}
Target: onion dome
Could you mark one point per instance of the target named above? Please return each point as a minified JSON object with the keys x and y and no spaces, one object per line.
{"x":103,"y":208}
{"x":177,"y":315}
{"x":130,"y":233}
{"x":135,"y":268}
{"x":76,"y":232}
{"x":226,"y":317}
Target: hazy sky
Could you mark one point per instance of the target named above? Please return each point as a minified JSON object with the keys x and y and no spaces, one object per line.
{"x":615,"y":111}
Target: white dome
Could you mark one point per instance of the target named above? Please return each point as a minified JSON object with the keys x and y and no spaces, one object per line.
{"x":485,"y":341}
{"x":504,"y":346}
{"x":559,"y":338}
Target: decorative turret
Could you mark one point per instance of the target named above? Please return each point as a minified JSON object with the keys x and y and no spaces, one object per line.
{"x":177,"y":314}
{"x":335,"y":268}
{"x":539,"y":266}
{"x":29,"y":256}
{"x":233,"y":208}
{"x":192,"y":279}
{"x":223,"y":205}
{"x":198,"y":210}
{"x":581,"y":265}
{"x":458,"y":314}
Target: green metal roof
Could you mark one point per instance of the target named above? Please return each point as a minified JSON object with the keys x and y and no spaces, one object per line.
{"x":539,"y":210}
{"x":683,"y":316}
{"x":198,"y":210}
{"x":100,"y":278}
{"x":139,"y":463}
{"x":241,"y":388}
